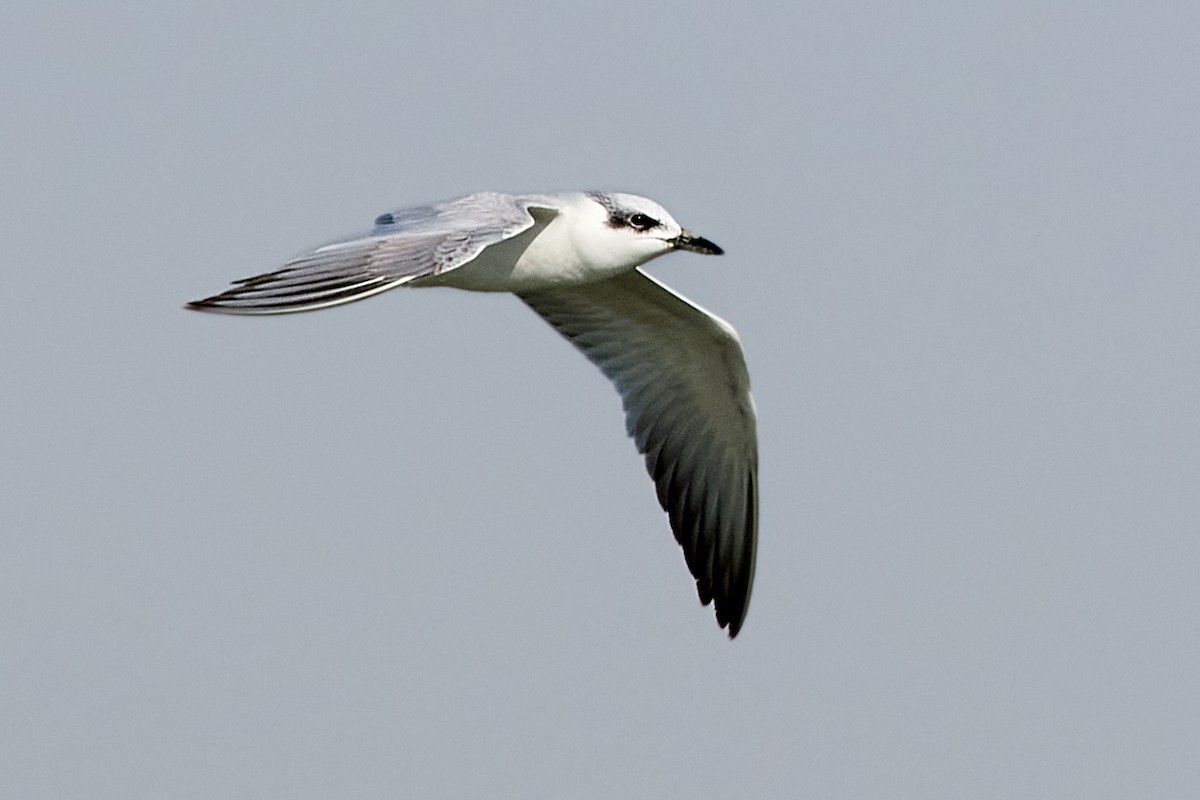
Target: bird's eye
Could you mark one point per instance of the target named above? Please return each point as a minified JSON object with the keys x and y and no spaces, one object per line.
{"x":642,"y":222}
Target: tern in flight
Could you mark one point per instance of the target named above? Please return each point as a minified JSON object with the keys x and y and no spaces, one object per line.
{"x":574,"y":259}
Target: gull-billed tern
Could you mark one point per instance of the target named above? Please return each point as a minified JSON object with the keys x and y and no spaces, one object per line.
{"x":574,"y":258}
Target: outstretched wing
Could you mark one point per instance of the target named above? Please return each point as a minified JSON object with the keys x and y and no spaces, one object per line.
{"x":685,"y":389}
{"x":403,"y":246}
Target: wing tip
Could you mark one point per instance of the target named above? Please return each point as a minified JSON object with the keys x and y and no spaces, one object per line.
{"x":217,"y":305}
{"x":206,"y":304}
{"x":730,"y":610}
{"x":732,"y":617}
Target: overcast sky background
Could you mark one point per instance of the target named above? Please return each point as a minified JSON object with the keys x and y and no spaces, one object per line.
{"x":403,"y":548}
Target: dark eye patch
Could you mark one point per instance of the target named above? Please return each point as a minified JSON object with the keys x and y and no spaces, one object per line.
{"x":642,"y":222}
{"x":638,"y":221}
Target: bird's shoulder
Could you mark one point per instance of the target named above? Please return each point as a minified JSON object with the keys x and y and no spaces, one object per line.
{"x":488,"y":213}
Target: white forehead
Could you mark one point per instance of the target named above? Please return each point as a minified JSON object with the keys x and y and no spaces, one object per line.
{"x":637,"y":203}
{"x":625,"y":205}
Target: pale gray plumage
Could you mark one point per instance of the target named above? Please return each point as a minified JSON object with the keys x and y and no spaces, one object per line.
{"x":574,"y":259}
{"x":404,"y":246}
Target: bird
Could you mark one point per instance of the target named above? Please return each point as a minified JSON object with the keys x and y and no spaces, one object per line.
{"x":575,"y":258}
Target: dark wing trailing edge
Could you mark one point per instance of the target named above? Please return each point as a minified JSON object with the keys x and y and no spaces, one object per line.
{"x":404,"y":246}
{"x":686,"y":393}
{"x":329,"y":276}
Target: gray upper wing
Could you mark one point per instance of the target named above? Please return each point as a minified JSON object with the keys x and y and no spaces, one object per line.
{"x":404,"y":245}
{"x":686,"y":393}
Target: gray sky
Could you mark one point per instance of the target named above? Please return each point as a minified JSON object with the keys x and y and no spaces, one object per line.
{"x":403,"y":548}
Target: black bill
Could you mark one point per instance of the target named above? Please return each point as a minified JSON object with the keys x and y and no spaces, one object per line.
{"x":686,"y":240}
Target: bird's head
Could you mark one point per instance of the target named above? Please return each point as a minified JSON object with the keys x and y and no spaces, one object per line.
{"x":628,"y":230}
